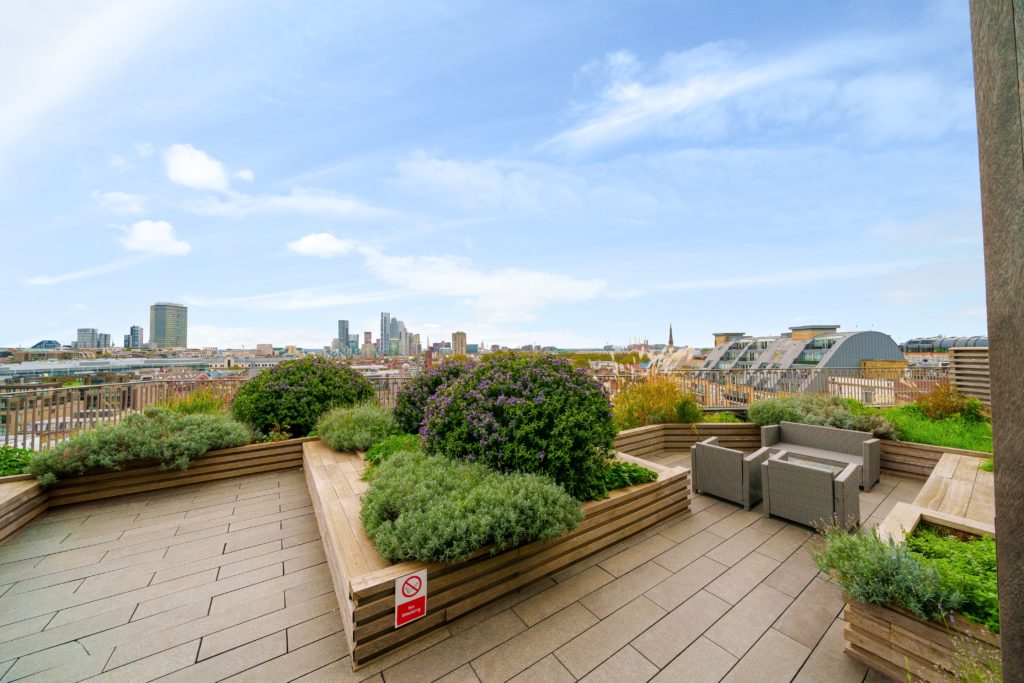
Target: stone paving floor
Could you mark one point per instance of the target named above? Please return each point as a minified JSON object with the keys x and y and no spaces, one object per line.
{"x":227,"y":581}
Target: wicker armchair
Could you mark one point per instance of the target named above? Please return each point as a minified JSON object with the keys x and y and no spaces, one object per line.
{"x":727,"y":473}
{"x":810,"y":492}
{"x":842,"y":445}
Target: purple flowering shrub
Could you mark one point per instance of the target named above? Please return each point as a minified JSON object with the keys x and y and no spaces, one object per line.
{"x":411,"y":401}
{"x":292,"y":396}
{"x":526,"y":413}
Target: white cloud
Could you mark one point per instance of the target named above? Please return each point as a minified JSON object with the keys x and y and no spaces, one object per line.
{"x":297,"y":299}
{"x":307,"y":202}
{"x":194,"y":168}
{"x":499,"y":295}
{"x":154,"y":237}
{"x":779,"y":275}
{"x":120,"y":202}
{"x":245,"y":175}
{"x":103,"y":269}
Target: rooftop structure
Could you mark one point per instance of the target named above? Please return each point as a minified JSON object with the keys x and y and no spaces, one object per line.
{"x":941,"y":344}
{"x":805,"y":346}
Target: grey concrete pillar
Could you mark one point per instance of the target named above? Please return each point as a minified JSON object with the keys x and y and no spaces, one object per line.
{"x":997,"y":30}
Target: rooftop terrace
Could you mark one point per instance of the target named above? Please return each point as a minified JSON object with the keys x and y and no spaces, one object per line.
{"x":228,"y":581}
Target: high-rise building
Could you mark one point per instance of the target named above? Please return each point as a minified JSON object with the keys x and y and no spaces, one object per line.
{"x":367,"y":337}
{"x":385,"y":332}
{"x":343,"y":336}
{"x":134,"y":337}
{"x":127,"y":341}
{"x":168,"y":325}
{"x":459,"y":343}
{"x":353,"y":344}
{"x":88,"y":338}
{"x":102,"y":340}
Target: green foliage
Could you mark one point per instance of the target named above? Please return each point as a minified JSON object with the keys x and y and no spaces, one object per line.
{"x":158,"y":435}
{"x":880,"y":573}
{"x":988,"y":465}
{"x":944,"y":402}
{"x":437,"y":509}
{"x":357,"y":428}
{"x":292,"y":396}
{"x":525,"y":413}
{"x":202,"y":402}
{"x":658,"y":400}
{"x":821,"y":410}
{"x":966,"y":566}
{"x":911,"y":424}
{"x":620,"y":474}
{"x":720,"y":416}
{"x":412,"y":399}
{"x":13,"y":460}
{"x":400,"y":443}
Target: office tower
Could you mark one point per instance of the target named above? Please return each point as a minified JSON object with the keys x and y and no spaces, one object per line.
{"x":459,"y":343}
{"x":168,"y":325}
{"x":343,"y":336}
{"x":385,"y":332}
{"x":414,"y":345}
{"x":88,"y":338}
{"x":134,"y":337}
{"x":353,"y":344}
{"x":102,"y":340}
{"x":127,"y":341}
{"x":367,"y":337}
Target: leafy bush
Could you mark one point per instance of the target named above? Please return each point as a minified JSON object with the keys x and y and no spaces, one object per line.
{"x":657,"y":401}
{"x":401,"y":443}
{"x":944,"y":401}
{"x":357,"y":428}
{"x":620,"y":474}
{"x":159,"y":435}
{"x":821,"y":410}
{"x":202,"y":402}
{"x":13,"y":460}
{"x":968,"y":566}
{"x":911,"y":424}
{"x":880,"y":573}
{"x":526,"y":413}
{"x":436,"y":509}
{"x":412,"y":398}
{"x":720,"y":416}
{"x":292,"y":396}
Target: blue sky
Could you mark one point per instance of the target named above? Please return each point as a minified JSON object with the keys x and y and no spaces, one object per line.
{"x":575,"y":173}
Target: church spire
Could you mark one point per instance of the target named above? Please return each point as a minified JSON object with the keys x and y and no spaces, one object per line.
{"x":671,"y":344}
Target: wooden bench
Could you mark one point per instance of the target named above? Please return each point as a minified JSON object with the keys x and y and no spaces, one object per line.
{"x":365,"y":583}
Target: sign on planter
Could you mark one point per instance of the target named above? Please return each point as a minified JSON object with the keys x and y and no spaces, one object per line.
{"x":410,"y":598}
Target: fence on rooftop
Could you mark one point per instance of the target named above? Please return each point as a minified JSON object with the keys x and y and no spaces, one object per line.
{"x":39,"y":418}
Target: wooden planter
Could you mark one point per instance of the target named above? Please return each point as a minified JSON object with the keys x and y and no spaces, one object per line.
{"x":664,"y":438}
{"x":365,"y":583}
{"x":894,"y":641}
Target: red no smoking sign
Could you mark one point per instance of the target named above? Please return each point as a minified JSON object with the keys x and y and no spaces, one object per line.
{"x":410,"y":597}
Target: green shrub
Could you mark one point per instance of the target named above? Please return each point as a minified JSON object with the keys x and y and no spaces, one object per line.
{"x":13,"y":460}
{"x":158,"y":435}
{"x":292,"y":396}
{"x":880,"y":573}
{"x":913,"y":425}
{"x":659,"y":400}
{"x":821,"y":410}
{"x":967,"y":566}
{"x":202,"y":402}
{"x":400,"y":443}
{"x":944,"y":401}
{"x":620,"y":474}
{"x":526,"y":413}
{"x":357,"y":428}
{"x":720,"y":416}
{"x":988,"y":465}
{"x":411,"y":401}
{"x":440,"y":510}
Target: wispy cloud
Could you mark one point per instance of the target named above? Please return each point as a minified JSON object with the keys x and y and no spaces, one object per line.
{"x":103,"y":269}
{"x":120,"y":202}
{"x":507,"y":294}
{"x":301,"y":201}
{"x":194,"y":168}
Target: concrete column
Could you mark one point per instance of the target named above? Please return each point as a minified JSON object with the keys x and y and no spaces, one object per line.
{"x":997,"y":29}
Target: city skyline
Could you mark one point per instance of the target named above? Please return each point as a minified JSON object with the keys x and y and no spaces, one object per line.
{"x":593,"y":174}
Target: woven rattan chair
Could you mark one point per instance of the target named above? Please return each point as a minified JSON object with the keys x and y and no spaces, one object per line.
{"x":727,"y":473}
{"x":810,"y":492}
{"x":828,"y":443}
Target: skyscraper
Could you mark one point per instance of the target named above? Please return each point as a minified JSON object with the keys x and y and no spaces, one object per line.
{"x":168,"y":325}
{"x":88,"y":338}
{"x":343,"y":336}
{"x":102,"y":340}
{"x":367,"y":337}
{"x":459,"y":343}
{"x":134,"y":337}
{"x":385,"y":332}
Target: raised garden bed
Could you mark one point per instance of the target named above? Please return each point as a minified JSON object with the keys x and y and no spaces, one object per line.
{"x":893,"y":641}
{"x":665,"y":438}
{"x":365,"y":583}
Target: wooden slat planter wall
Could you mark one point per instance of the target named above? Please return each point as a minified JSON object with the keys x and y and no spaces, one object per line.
{"x":908,"y":459}
{"x":21,"y":501}
{"x":365,"y":583}
{"x":743,"y":436}
{"x":968,"y":372}
{"x":220,"y":464}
